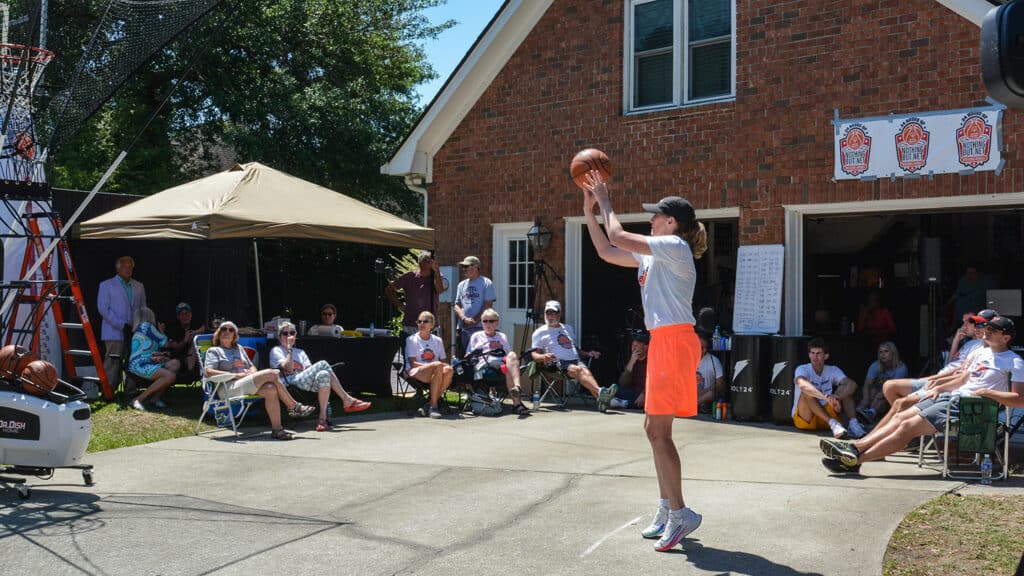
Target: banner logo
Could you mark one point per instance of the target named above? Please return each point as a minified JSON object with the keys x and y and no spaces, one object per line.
{"x":974,"y":140}
{"x":855,"y":150}
{"x":912,"y":145}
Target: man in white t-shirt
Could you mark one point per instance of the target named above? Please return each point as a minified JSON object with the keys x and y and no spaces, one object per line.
{"x":823,"y":394}
{"x":555,"y":348}
{"x":986,"y":376}
{"x":472,"y":296}
{"x":710,"y":377}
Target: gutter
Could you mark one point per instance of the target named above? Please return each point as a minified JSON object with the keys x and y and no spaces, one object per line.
{"x":972,"y":10}
{"x":414,"y":182}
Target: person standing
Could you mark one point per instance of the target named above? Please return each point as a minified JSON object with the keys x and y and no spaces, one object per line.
{"x":667,"y":275}
{"x":119,"y":299}
{"x":421,"y":289}
{"x":474,"y":295}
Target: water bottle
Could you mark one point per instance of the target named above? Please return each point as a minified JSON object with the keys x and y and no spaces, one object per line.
{"x":372,"y":335}
{"x":330,"y":412}
{"x":986,"y":470}
{"x":536,"y":398}
{"x":718,"y":411}
{"x":716,"y":339}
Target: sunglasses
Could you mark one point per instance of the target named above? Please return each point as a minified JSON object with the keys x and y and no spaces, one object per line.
{"x":287,"y":333}
{"x":327,"y":313}
{"x":227,"y":329}
{"x":489,"y":320}
{"x":423,"y":321}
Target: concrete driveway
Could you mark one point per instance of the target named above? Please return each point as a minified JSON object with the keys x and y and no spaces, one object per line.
{"x":555,"y":493}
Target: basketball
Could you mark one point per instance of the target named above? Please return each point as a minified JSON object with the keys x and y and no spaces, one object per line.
{"x":42,"y":374}
{"x":14,"y":359}
{"x":590,"y":159}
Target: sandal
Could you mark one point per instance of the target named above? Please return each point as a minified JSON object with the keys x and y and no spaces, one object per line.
{"x":521,"y":410}
{"x":323,"y":426}
{"x":281,"y":434}
{"x":357,"y":405}
{"x":301,"y":410}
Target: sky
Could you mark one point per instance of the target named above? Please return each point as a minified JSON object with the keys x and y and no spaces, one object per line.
{"x":445,"y":53}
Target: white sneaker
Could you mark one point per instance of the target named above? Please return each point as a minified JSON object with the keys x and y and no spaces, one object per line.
{"x":435,"y":413}
{"x":680,"y":525}
{"x":138,"y":406}
{"x":619,"y":403}
{"x":856,"y":430}
{"x":837,"y":428}
{"x":657,"y":526}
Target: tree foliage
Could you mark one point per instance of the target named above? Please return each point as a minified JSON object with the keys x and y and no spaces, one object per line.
{"x":322,"y":89}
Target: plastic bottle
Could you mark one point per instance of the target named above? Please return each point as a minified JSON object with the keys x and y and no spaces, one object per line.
{"x":986,"y":470}
{"x":716,"y":339}
{"x":536,"y":398}
{"x":725,"y":410}
{"x":717,"y":414}
{"x":372,"y":330}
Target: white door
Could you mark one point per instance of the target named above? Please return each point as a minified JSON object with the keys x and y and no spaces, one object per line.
{"x":513,"y":279}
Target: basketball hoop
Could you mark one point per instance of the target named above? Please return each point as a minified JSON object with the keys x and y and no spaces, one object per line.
{"x":20,"y":69}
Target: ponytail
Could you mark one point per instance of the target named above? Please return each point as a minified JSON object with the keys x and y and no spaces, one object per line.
{"x":697,"y":238}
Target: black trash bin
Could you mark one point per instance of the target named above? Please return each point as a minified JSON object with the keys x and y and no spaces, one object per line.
{"x":748,"y":389}
{"x":788,"y":352}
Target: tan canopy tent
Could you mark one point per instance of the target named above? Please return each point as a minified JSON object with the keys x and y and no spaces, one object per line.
{"x":255,"y":201}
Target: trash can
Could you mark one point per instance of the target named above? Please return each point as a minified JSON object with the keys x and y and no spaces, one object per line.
{"x":748,"y":389}
{"x":788,"y":352}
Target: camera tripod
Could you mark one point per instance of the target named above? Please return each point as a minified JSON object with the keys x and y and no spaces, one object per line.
{"x":541,"y":269}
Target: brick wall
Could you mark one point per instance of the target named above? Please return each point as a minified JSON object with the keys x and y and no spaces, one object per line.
{"x":797,"y":61}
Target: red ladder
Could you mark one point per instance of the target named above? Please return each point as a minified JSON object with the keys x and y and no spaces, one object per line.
{"x":46,"y":293}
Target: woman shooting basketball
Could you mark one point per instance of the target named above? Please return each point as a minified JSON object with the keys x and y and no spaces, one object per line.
{"x":667,"y":276}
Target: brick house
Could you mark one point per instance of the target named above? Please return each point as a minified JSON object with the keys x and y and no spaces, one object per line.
{"x":732,"y":105}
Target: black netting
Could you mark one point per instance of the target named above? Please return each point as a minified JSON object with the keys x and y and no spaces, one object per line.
{"x":130,"y":33}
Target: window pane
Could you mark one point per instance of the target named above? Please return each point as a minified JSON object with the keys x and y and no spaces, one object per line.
{"x":709,"y":19}
{"x":654,"y":79}
{"x":710,"y":70}
{"x":652,"y":26}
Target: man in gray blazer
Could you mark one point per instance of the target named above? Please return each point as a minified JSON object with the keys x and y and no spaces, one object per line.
{"x":120,"y":297}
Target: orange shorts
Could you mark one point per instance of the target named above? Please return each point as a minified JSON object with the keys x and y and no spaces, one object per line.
{"x":672,"y":359}
{"x":815,"y":423}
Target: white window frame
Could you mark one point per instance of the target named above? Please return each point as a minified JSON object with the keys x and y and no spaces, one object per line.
{"x":501,"y":235}
{"x":680,"y":64}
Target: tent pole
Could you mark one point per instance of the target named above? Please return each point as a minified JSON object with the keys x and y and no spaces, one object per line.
{"x":259,"y":293}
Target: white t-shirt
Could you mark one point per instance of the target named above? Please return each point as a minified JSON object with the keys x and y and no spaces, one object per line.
{"x":559,"y":340}
{"x":965,"y":351}
{"x":481,"y":341}
{"x":708,"y":372}
{"x":667,"y":277}
{"x":300,"y":360}
{"x":423,"y":351}
{"x":471,"y":295}
{"x":826,"y":382}
{"x":992,"y":370}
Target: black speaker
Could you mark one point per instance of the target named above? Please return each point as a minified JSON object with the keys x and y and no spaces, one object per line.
{"x":931,"y":260}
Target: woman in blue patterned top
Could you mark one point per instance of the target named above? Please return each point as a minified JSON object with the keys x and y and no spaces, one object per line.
{"x":148,"y":361}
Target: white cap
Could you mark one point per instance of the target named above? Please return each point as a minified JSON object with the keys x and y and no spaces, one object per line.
{"x":553,"y":305}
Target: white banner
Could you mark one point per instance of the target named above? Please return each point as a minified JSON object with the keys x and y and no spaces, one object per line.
{"x":918,"y":144}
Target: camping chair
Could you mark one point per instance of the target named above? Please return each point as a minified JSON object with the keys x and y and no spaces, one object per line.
{"x":412,"y":390}
{"x":977,"y":431}
{"x":548,"y":378}
{"x":484,"y":392}
{"x":226,"y":410}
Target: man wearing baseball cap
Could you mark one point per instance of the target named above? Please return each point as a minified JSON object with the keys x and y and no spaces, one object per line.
{"x":473,"y":295}
{"x":985,"y":375}
{"x":555,"y":349}
{"x":180,"y":334}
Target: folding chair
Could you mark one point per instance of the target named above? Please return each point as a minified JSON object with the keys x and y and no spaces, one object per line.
{"x":490,"y":384}
{"x":549,"y":378}
{"x":226,"y":410}
{"x":977,"y":431}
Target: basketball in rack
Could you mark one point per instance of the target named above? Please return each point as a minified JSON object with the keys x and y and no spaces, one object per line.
{"x":20,"y":69}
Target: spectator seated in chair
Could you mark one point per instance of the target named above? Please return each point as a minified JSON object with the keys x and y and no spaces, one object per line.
{"x":180,"y":333}
{"x":888,"y":366}
{"x":710,"y":376}
{"x":555,"y":349}
{"x":424,"y":353}
{"x":633,"y":381}
{"x":226,"y":356}
{"x":149,"y":362}
{"x":319,"y":378}
{"x":490,"y":366}
{"x":986,"y":375}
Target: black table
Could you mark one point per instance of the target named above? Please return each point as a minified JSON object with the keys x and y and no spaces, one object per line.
{"x":367,"y":360}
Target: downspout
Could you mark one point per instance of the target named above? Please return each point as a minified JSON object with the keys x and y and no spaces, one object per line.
{"x":414,"y":182}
